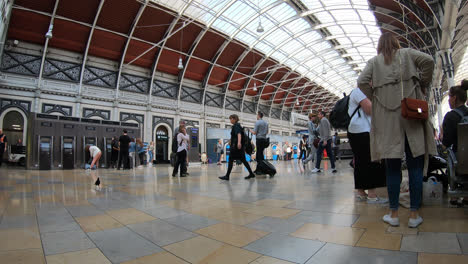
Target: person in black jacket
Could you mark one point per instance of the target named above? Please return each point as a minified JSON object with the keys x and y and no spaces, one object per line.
{"x":457,"y":99}
{"x":237,"y":148}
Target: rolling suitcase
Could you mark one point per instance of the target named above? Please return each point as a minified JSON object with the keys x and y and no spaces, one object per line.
{"x":266,"y":167}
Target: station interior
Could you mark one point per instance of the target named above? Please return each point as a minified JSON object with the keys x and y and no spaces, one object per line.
{"x":75,"y":74}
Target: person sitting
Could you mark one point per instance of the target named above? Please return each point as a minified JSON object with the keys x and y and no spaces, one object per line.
{"x":457,"y":98}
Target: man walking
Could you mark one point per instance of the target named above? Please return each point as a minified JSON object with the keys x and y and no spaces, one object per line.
{"x":260,"y":131}
{"x":325,"y":142}
{"x":3,"y":145}
{"x":124,"y":142}
{"x":312,"y":136}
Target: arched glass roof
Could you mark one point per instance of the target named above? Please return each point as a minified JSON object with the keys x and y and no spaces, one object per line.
{"x":328,"y":42}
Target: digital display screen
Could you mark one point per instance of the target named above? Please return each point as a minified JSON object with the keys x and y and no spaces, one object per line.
{"x":67,"y":145}
{"x":45,"y":145}
{"x":194,"y":141}
{"x":90,"y":128}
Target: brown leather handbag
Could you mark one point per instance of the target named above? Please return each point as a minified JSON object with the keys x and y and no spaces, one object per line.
{"x":412,"y":109}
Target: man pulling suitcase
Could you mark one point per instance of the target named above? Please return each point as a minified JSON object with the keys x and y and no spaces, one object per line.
{"x":260,"y":131}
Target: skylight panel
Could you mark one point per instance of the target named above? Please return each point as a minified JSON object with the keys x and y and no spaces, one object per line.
{"x":264,"y":47}
{"x":224,"y":26}
{"x":354,"y":28}
{"x":246,"y":38}
{"x":281,"y":12}
{"x":345,"y":14}
{"x":310,"y":37}
{"x":279,"y":56}
{"x":291,"y":46}
{"x":324,"y":17}
{"x":239,"y":12}
{"x":297,"y":25}
{"x":335,"y":30}
{"x":277,"y":37}
{"x":329,"y":3}
{"x":312,"y":4}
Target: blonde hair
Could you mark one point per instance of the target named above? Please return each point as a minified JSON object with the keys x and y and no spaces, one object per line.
{"x":387,"y":46}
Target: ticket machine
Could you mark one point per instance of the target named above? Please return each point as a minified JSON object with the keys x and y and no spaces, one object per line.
{"x":68,"y":148}
{"x":194,"y":152}
{"x":46,"y":146}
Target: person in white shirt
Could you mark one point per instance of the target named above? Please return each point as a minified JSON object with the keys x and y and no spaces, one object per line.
{"x":95,"y":153}
{"x":367,"y":175}
{"x":182,"y":147}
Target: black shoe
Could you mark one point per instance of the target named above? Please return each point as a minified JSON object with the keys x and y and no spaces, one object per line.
{"x":250,"y":176}
{"x":174,"y":174}
{"x":226,"y":178}
{"x":98,"y":182}
{"x":334,"y":170}
{"x":183,"y":175}
{"x":118,"y":168}
{"x":186,"y":173}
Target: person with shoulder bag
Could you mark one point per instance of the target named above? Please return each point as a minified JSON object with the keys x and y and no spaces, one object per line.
{"x":399,"y":76}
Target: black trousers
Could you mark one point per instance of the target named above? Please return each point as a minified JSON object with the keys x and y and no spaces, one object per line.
{"x":2,"y":149}
{"x":241,"y":157}
{"x":367,"y":174}
{"x":123,"y":158}
{"x":302,"y":155}
{"x":180,"y":162}
{"x":260,"y":142}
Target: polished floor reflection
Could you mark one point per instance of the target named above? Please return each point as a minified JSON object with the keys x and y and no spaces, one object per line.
{"x":147,"y":216}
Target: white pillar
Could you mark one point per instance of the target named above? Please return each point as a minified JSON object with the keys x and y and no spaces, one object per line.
{"x":148,"y":135}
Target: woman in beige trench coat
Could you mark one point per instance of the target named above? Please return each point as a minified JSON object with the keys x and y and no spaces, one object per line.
{"x":391,"y":135}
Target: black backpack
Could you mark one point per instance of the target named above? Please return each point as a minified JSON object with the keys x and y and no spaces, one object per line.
{"x":339,"y":117}
{"x":247,"y":142}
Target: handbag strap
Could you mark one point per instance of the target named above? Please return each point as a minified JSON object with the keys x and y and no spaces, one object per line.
{"x":401,"y":75}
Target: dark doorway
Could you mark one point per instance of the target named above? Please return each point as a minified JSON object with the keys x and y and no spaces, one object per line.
{"x":162,"y":143}
{"x":13,"y":127}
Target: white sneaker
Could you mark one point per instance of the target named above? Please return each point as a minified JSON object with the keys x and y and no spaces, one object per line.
{"x":391,"y":221}
{"x":315,"y":170}
{"x":376,"y":200}
{"x":413,"y":223}
{"x":334,"y":170}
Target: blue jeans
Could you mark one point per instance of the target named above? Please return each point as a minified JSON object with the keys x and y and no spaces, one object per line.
{"x":320,"y":149}
{"x":150,"y":156}
{"x":415,"y":172}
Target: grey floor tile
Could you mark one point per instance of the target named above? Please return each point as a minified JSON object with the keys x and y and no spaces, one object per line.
{"x":84,"y":210}
{"x":55,"y":220}
{"x":329,"y":207}
{"x":325,"y":218}
{"x":442,"y":243}
{"x":121,"y":244}
{"x":191,"y":222}
{"x":161,"y":233}
{"x":463,"y":239}
{"x":67,"y":241}
{"x":285,"y":247}
{"x":272,"y":224}
{"x":108,"y":204}
{"x":164,"y":212}
{"x":143,"y":204}
{"x":340,"y":254}
{"x":11,"y":221}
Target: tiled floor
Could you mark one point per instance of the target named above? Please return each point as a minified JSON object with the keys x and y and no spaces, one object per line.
{"x":147,"y":216}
